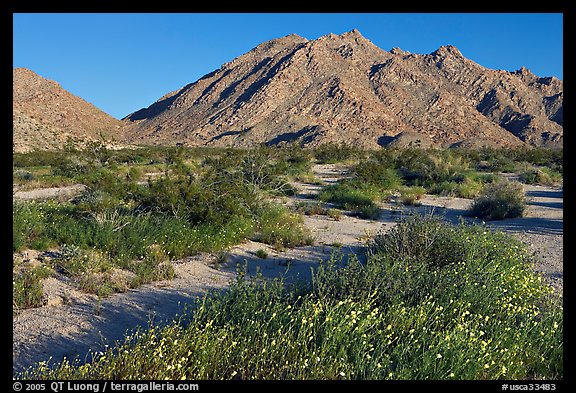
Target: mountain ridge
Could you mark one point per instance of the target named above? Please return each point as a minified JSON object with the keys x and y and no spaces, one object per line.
{"x":336,"y":88}
{"x":343,"y":88}
{"x":45,"y":116}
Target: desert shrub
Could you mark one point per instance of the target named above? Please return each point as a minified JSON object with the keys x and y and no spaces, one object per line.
{"x":346,"y":195}
{"x":39,"y":158}
{"x":332,"y":153}
{"x":353,"y":196}
{"x":29,"y":223}
{"x":197,"y":200}
{"x":91,"y":270}
{"x":546,"y":157}
{"x":422,"y":238}
{"x":416,"y":166}
{"x":94,"y":200}
{"x":121,"y":234}
{"x":280,"y":227}
{"x":374,"y":173}
{"x":74,"y":261}
{"x":21,"y":174}
{"x":134,"y":173}
{"x":500,"y":200}
{"x":368,"y":212}
{"x":293,"y":161}
{"x":469,"y":189}
{"x":411,"y":195}
{"x":542,"y":176}
{"x":102,"y":284}
{"x":261,"y":253}
{"x":466,"y":184}
{"x":27,"y":288}
{"x":445,"y":188}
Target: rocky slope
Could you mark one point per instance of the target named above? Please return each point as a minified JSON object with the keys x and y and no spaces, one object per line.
{"x":343,"y":88}
{"x":45,"y":116}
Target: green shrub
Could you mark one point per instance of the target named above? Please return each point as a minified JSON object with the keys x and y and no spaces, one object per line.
{"x":27,"y":288}
{"x":261,"y":253}
{"x":20,"y":174}
{"x":332,"y":153}
{"x":134,"y":173}
{"x":374,"y":173}
{"x":29,"y":224}
{"x":542,"y":176}
{"x":281,"y":228}
{"x":498,"y":201}
{"x":368,"y":212}
{"x":411,"y":195}
{"x":346,"y":196}
{"x":102,"y":284}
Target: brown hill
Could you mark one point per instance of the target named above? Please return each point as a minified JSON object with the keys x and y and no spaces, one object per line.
{"x":343,"y":88}
{"x":45,"y":116}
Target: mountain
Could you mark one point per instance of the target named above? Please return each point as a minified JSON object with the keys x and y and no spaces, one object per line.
{"x":343,"y":88}
{"x":46,"y":117}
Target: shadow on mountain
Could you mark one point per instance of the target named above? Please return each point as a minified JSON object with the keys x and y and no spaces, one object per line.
{"x":384,"y":140}
{"x":157,"y":107}
{"x":224,"y":134}
{"x":227,"y":92}
{"x":287,"y":137}
{"x":254,"y":87}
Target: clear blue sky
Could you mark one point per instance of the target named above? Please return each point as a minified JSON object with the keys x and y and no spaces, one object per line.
{"x":124,"y":62}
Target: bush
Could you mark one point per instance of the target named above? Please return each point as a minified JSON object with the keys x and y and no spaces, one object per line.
{"x":542,"y":176}
{"x":374,"y":173}
{"x":332,"y":153}
{"x":27,"y":288}
{"x":368,"y":212}
{"x":21,"y":174}
{"x":198,"y":200}
{"x":311,"y":208}
{"x":346,"y":196}
{"x":498,"y":201}
{"x":261,"y":253}
{"x":281,"y":228}
{"x":411,"y":195}
{"x":29,"y":223}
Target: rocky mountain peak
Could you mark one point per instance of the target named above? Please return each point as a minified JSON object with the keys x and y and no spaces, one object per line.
{"x":398,"y":51}
{"x":447,"y":50}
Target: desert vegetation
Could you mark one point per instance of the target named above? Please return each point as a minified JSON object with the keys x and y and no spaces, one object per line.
{"x":431,"y":301}
{"x":197,"y":201}
{"x":143,"y":208}
{"x":408,"y":174}
{"x":427,"y":300}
